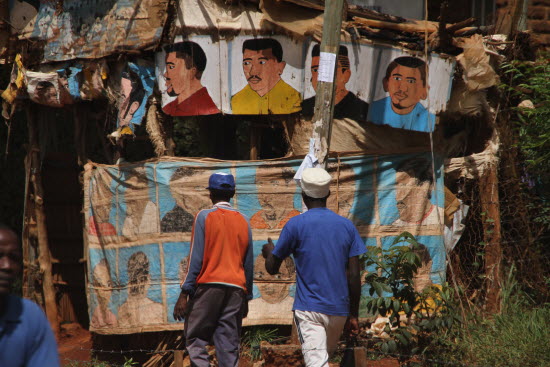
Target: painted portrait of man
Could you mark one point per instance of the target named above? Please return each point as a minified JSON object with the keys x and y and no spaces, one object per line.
{"x":346,"y":103}
{"x":45,"y":93}
{"x":187,"y":187}
{"x":406,"y":82}
{"x":275,"y":302}
{"x":131,"y":97}
{"x":276,"y":189}
{"x":185,"y":64}
{"x":266,"y":92}
{"x":414,"y":184}
{"x":139,"y":309}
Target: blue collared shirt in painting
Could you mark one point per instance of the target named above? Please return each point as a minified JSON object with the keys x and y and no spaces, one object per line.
{"x":321,"y":242}
{"x":26,"y":339}
{"x":419,"y":119}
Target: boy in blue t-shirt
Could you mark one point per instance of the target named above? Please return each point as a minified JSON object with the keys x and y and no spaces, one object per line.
{"x":326,"y":249}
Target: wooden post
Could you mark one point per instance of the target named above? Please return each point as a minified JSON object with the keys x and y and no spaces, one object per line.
{"x":328,"y":60}
{"x":489,"y":198}
{"x":44,"y":256}
{"x":178,"y":358}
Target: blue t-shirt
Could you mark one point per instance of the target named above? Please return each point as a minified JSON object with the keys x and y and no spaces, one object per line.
{"x":26,"y":339}
{"x":321,"y":242}
{"x":419,"y":119}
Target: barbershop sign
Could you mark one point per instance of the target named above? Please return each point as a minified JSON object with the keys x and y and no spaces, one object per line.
{"x":275,"y":75}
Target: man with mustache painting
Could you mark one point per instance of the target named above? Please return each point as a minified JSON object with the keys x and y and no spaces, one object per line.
{"x":185,"y":63}
{"x":406,"y":83}
{"x":266,"y":93}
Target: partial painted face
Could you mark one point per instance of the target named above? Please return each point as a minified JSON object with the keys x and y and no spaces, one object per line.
{"x":125,"y":112}
{"x":406,"y":89}
{"x":102,"y":282}
{"x":10,"y":260}
{"x":343,"y":74}
{"x":412,"y":199}
{"x":47,"y":96}
{"x":262,"y":70}
{"x":190,"y":192}
{"x":178,"y":76}
{"x":273,"y":188}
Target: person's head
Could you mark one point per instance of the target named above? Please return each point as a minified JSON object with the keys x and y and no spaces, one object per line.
{"x":315,"y":183}
{"x":11,"y":259}
{"x":413,"y":189}
{"x":138,"y":274}
{"x":274,"y":288}
{"x":221,"y":187}
{"x":262,"y":63}
{"x":421,"y":278}
{"x":406,"y":82}
{"x":185,"y":63}
{"x":342,"y":200}
{"x":187,"y":188}
{"x":102,"y":281}
{"x":275,"y":185}
{"x":343,"y":71}
{"x":46,"y":93}
{"x":131,"y":96}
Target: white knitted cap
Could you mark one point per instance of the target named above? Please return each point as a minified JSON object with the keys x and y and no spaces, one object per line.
{"x":315,"y":182}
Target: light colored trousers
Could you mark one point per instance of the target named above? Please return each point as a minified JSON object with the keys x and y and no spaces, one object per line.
{"x":319,"y":335}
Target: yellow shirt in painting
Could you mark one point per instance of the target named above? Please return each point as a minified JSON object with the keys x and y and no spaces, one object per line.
{"x":281,"y":99}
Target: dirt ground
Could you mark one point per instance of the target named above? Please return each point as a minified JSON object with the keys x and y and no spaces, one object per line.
{"x":75,"y":344}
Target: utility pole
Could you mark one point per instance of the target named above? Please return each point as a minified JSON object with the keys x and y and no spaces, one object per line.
{"x":328,"y":61}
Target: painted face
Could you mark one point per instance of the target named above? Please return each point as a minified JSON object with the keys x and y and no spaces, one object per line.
{"x":342,"y":74}
{"x":47,"y":95}
{"x":274,"y":188}
{"x":341,"y":198}
{"x":178,"y":76}
{"x":262,"y":70}
{"x":412,"y":199}
{"x":189,"y":192}
{"x":406,"y":89}
{"x":421,"y":278}
{"x":102,"y":282}
{"x":10,"y":260}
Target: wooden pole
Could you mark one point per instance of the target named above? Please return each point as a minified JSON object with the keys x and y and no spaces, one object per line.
{"x":489,"y":198}
{"x":328,"y":61}
{"x":44,"y":256}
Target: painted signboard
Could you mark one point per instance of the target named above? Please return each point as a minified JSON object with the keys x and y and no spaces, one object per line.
{"x":263,"y":75}
{"x":139,"y":219}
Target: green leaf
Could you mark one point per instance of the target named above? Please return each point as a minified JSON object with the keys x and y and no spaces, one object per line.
{"x":402,"y":339}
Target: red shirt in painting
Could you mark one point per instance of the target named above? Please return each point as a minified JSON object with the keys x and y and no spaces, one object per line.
{"x":199,"y":103}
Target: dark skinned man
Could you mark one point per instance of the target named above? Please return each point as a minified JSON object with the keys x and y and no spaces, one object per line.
{"x":218,"y":285}
{"x":26,"y":339}
{"x":326,"y":249}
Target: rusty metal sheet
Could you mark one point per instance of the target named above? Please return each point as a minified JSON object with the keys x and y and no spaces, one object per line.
{"x":90,"y":29}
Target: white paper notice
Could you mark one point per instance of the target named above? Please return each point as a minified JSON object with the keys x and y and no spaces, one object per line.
{"x":327,"y":62}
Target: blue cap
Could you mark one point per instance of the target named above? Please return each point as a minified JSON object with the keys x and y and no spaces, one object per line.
{"x":221,"y":181}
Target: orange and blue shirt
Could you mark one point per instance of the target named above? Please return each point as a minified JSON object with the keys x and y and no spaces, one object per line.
{"x":221,"y":250}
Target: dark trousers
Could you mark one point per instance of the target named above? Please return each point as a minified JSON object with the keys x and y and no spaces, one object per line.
{"x":215,"y":313}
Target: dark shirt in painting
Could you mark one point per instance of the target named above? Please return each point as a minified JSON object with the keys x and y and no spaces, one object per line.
{"x":351,"y":107}
{"x":177,"y":220}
